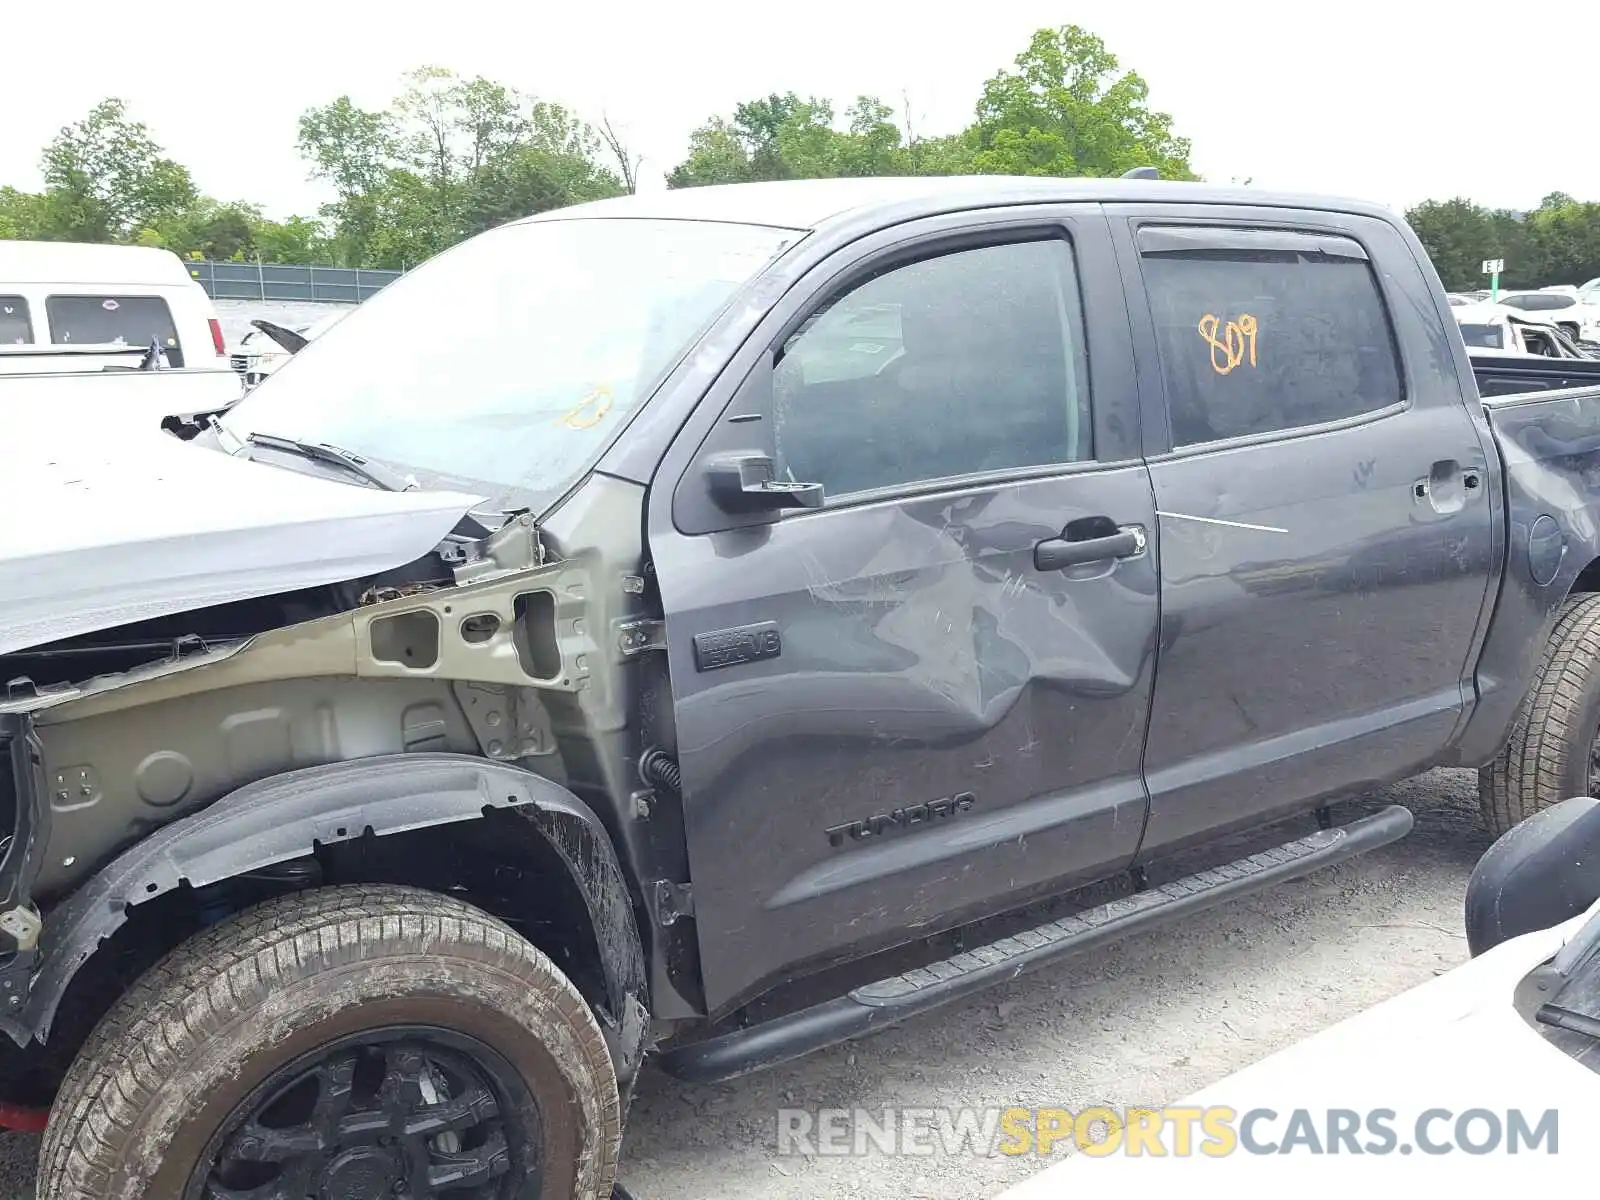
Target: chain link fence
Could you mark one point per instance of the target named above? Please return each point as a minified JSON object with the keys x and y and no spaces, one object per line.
{"x":281,"y":282}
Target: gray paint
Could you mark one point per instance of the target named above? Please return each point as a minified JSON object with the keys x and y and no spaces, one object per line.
{"x":1264,"y":699}
{"x":925,"y":656}
{"x":1270,"y":695}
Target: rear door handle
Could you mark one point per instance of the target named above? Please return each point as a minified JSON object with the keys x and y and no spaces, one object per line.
{"x":1059,"y":553}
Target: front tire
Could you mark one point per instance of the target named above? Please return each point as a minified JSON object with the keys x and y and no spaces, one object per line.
{"x":341,"y":1042}
{"x":1553,"y":753}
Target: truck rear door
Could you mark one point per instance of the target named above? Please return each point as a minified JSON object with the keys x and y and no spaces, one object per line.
{"x":926,"y":699}
{"x":1325,"y":510}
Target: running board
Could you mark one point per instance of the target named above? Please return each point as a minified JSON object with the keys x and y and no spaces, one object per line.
{"x":889,"y":1001}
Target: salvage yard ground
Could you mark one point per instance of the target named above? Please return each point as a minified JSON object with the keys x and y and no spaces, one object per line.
{"x":1143,"y":1022}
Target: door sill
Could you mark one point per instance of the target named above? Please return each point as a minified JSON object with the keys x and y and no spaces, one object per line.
{"x":889,"y":1001}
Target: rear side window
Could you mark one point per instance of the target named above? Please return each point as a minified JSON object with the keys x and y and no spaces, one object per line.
{"x":15,"y":327}
{"x":128,"y":320}
{"x":1540,"y":303}
{"x":1262,"y":331}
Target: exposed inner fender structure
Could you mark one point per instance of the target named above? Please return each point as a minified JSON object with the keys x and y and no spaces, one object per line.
{"x":288,"y":816}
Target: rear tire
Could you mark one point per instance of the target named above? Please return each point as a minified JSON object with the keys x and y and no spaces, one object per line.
{"x":1550,"y":756}
{"x":253,"y":1037}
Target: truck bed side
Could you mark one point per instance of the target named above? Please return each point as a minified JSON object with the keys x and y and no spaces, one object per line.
{"x":1549,"y":445}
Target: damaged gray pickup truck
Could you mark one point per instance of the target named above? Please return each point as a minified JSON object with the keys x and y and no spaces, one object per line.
{"x":733,"y":621}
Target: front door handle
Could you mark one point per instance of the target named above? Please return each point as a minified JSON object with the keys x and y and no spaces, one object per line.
{"x":1059,"y":553}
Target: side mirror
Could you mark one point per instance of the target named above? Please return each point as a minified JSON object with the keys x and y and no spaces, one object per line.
{"x":745,"y":483}
{"x":1541,"y":872}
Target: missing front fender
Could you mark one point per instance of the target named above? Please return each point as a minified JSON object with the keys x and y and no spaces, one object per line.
{"x":301,"y":812}
{"x":24,"y":826}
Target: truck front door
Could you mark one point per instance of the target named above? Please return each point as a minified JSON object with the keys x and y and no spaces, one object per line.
{"x":926,"y":699}
{"x":1327,"y":524}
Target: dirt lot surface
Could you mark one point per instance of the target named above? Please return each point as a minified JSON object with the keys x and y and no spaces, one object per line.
{"x":1140,"y":1023}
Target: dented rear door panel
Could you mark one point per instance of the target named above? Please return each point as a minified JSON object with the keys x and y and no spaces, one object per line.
{"x":916,"y":726}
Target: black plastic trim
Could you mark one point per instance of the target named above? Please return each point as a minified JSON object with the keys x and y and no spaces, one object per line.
{"x":287,"y":816}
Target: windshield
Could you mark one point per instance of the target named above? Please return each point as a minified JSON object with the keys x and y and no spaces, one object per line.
{"x":1488,"y":337}
{"x":505,"y":364}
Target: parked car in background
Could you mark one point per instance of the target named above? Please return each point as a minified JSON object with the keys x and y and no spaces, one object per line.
{"x":68,"y":306}
{"x":1581,"y":320}
{"x":1500,"y":329}
{"x":268,"y":345}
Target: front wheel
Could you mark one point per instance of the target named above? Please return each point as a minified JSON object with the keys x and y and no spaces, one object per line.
{"x":1554,"y":750}
{"x":370,"y":1043}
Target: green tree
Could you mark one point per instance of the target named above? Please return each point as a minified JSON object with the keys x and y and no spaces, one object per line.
{"x":1558,"y":242}
{"x":207,"y":229}
{"x":1066,"y":110}
{"x":450,"y":158}
{"x":351,"y":149}
{"x":1563,"y":236}
{"x":717,"y":154}
{"x":21,"y":214}
{"x":784,"y":137}
{"x":106,"y":179}
{"x":296,"y":240}
{"x":1458,"y":235}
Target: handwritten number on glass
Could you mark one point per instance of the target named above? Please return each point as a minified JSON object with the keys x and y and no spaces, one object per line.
{"x":1237,"y":341}
{"x":597,"y":403}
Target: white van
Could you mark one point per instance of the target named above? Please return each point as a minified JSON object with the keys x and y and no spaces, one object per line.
{"x":62,"y":298}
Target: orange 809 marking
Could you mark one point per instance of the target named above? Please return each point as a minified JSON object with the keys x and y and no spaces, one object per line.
{"x":1238,"y":339}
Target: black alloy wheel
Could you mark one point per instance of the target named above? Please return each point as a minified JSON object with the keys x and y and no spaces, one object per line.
{"x":390,"y":1114}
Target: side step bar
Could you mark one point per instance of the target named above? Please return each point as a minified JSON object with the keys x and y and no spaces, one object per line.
{"x":890,"y":1001}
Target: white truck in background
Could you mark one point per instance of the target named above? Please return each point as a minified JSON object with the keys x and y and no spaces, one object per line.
{"x":79,"y":323}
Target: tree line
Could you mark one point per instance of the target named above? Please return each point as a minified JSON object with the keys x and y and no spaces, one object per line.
{"x":1558,"y":242}
{"x":453,"y":156}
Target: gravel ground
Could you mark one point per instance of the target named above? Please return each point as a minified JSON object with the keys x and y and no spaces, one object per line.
{"x":1140,"y":1023}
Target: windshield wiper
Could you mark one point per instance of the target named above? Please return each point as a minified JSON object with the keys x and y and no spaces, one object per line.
{"x":324,"y":453}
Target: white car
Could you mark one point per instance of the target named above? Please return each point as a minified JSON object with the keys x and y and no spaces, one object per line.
{"x":1562,"y":306}
{"x":1462,"y":1086}
{"x":1500,"y":329}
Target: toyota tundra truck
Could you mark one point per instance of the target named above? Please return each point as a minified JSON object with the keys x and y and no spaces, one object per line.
{"x":750,"y":617}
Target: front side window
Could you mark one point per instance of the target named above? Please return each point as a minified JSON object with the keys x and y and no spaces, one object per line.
{"x":15,"y":327}
{"x":506,"y":364}
{"x":963,"y":364}
{"x":1263,"y":331}
{"x":113,"y":320}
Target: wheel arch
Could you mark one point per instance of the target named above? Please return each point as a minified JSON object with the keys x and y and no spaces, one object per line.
{"x":298,"y":813}
{"x":1587,"y":580}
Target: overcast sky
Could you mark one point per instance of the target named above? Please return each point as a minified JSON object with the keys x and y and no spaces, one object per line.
{"x":1388,"y":100}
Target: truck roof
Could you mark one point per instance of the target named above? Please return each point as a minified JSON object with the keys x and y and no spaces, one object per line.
{"x":89,"y":263}
{"x":805,"y":204}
